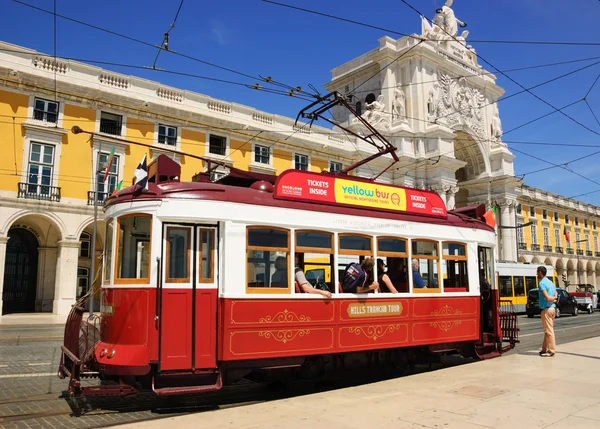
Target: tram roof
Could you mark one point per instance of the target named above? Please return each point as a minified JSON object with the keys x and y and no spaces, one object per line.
{"x":209,"y":191}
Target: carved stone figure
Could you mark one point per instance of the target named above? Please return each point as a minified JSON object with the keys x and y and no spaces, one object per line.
{"x":433,"y":102}
{"x":496,"y":126}
{"x":375,"y":111}
{"x":450,"y":22}
{"x":398,"y":104}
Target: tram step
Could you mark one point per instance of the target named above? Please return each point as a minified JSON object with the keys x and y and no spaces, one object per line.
{"x":182,"y":390}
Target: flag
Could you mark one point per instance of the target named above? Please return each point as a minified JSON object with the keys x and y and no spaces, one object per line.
{"x":118,"y":188}
{"x":567,"y":235}
{"x":141,"y":174}
{"x":490,"y":217}
{"x":108,"y":164}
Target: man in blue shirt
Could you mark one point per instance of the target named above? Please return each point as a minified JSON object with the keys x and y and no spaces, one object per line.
{"x":418,"y":282}
{"x":548,"y":297}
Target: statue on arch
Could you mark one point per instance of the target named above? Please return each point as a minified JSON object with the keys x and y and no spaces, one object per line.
{"x":450,"y":21}
{"x":399,"y":104}
{"x":376,"y":111}
{"x":496,"y":126}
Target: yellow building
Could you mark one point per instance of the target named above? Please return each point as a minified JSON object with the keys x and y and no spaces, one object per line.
{"x":51,"y":178}
{"x":545,"y":241}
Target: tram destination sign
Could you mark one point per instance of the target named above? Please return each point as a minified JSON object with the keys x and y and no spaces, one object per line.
{"x":335,"y":190}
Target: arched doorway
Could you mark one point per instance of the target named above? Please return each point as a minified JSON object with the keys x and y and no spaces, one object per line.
{"x":20,"y":272}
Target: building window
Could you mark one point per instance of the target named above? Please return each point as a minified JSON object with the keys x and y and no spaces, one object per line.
{"x":217,"y":145}
{"x":587,"y":242}
{"x":585,"y":223}
{"x":520,"y":238}
{"x":555,"y":216}
{"x":262,"y":154}
{"x":358,"y":108}
{"x":334,"y":167}
{"x":167,"y":135}
{"x":544,"y":214}
{"x":546,"y":237}
{"x":105,"y":188}
{"x":45,"y":110}
{"x":85,"y":245}
{"x":566,"y":218}
{"x":596,"y":243}
{"x":577,"y":238}
{"x":594,"y":224}
{"x":300,"y":162}
{"x":576,"y":221}
{"x":346,"y":89}
{"x":110,"y":123}
{"x":133,"y":248}
{"x":531,"y":211}
{"x":557,"y":237}
{"x":519,"y":208}
{"x":41,"y":165}
{"x":534,"y":234}
{"x":83,"y":276}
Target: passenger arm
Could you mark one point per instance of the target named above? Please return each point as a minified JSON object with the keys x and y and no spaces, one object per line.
{"x":308,"y":288}
{"x":386,"y":280}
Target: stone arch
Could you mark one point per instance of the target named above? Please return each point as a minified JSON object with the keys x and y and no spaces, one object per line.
{"x":522,"y":259}
{"x":548,"y":261}
{"x":535,"y":260}
{"x":20,"y":271}
{"x":597,"y":267}
{"x":559,"y":264}
{"x":38,"y":218}
{"x":469,"y":149}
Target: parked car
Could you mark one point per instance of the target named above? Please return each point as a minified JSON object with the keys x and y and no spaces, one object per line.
{"x":586,"y":297}
{"x":566,"y":303}
{"x":598,"y":295}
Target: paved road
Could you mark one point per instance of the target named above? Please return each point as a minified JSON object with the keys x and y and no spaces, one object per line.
{"x":29,"y":387}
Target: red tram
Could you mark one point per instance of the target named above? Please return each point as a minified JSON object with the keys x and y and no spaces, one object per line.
{"x":189,"y":301}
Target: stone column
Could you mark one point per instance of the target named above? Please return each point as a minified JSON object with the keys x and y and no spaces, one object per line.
{"x":65,"y":285}
{"x":3,"y":241}
{"x":508,"y":235}
{"x":46,"y":283}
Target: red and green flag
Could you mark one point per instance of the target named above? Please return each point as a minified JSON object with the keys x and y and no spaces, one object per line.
{"x":109,"y":163}
{"x":490,"y":217}
{"x":118,"y":188}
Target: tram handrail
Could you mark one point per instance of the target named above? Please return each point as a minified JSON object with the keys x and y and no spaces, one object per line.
{"x":158,"y":288}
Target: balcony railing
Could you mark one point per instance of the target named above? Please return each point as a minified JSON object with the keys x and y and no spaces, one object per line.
{"x":39,"y":192}
{"x":98,"y":197}
{"x":110,"y":128}
{"x":597,"y":253}
{"x":522,"y":246}
{"x":580,"y":252}
{"x":558,"y":249}
{"x":535,"y":247}
{"x":547,"y":248}
{"x":570,"y":252}
{"x":588,"y":253}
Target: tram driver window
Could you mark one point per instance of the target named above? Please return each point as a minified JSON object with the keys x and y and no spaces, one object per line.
{"x":133,"y":247}
{"x":454,"y":267}
{"x":426,"y":253}
{"x":268,"y":261}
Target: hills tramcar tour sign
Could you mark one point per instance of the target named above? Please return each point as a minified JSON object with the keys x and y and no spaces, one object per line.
{"x":322,"y":188}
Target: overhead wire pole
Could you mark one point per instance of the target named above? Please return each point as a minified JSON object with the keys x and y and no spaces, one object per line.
{"x":95,"y":227}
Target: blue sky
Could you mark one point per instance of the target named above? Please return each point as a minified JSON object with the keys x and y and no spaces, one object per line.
{"x":297,"y":48}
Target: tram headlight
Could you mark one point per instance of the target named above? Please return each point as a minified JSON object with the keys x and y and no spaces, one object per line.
{"x":112,"y":354}
{"x":103,"y":353}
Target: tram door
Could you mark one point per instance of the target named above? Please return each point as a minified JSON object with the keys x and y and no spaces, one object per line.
{"x":188,"y":298}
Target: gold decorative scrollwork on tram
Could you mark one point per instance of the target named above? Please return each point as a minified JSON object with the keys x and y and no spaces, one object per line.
{"x":446,"y":310}
{"x":284,"y":336}
{"x":284,"y":316}
{"x":373,"y":332}
{"x":445,"y":325}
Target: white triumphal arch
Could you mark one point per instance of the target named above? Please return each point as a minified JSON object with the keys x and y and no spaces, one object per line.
{"x":432,"y":100}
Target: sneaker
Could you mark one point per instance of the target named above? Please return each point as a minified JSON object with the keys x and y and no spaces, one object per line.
{"x":542,"y":353}
{"x":549,"y":354}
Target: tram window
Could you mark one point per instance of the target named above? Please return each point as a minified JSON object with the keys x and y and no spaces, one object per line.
{"x":206,"y":256}
{"x":314,"y":255}
{"x":178,"y":255}
{"x":454,"y":267}
{"x":393,"y":251}
{"x":314,"y":239}
{"x":519,"y":286}
{"x":268,"y":259}
{"x":355,"y":243}
{"x":108,"y":249}
{"x":506,"y":286}
{"x":530,"y":283}
{"x":426,"y":254}
{"x":133,"y":247}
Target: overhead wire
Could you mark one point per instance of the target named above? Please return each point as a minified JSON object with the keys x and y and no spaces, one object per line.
{"x":165,"y":43}
{"x":375,"y":27}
